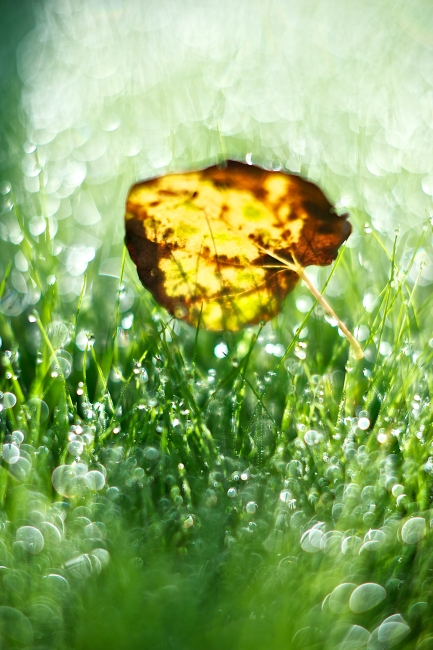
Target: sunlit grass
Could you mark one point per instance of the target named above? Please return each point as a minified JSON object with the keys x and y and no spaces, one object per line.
{"x":168,"y":487}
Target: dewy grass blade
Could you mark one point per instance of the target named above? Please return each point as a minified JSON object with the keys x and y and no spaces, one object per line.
{"x":53,"y":357}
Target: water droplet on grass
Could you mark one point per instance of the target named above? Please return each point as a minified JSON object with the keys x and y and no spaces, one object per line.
{"x":113,"y":492}
{"x":84,"y":340}
{"x":338,"y":601}
{"x":188,"y":522}
{"x":31,"y":539}
{"x":67,"y":481}
{"x":18,"y":435}
{"x":221,"y":350}
{"x":92,"y":531}
{"x":75,"y":448}
{"x":80,"y":567}
{"x":393,"y":630}
{"x":80,"y":468}
{"x":9,"y":400}
{"x":37,"y":226}
{"x":50,"y":532}
{"x":61,"y":363}
{"x":103,"y":556}
{"x":20,"y":469}
{"x":313,"y":438}
{"x":95,"y":480}
{"x":377,"y":537}
{"x":417,"y":611}
{"x":285,"y":496}
{"x":57,"y":584}
{"x":11,"y":453}
{"x":385,"y":349}
{"x":413,"y":530}
{"x":351,"y":545}
{"x":151,"y":454}
{"x":397,"y":489}
{"x":363,"y":423}
{"x":366,"y":597}
{"x":311,"y":540}
{"x":295,"y":368}
{"x":331,"y":541}
{"x":59,"y":334}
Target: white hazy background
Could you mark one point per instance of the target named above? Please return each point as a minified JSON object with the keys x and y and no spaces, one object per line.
{"x":114,"y":92}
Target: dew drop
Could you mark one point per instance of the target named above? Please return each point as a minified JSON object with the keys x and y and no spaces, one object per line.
{"x":339,"y":599}
{"x":75,"y":448}
{"x":151,"y":454}
{"x":31,"y":539}
{"x":285,"y":496}
{"x":413,"y":530}
{"x":11,"y":453}
{"x":366,"y":597}
{"x":221,"y":350}
{"x":188,"y":522}
{"x":95,"y":480}
{"x":67,"y":481}
{"x":20,"y":468}
{"x":9,"y":400}
{"x":392,"y":631}
{"x":363,"y":423}
{"x":58,"y":334}
{"x":313,"y":438}
{"x":397,"y":489}
{"x":19,"y":436}
{"x":103,"y":556}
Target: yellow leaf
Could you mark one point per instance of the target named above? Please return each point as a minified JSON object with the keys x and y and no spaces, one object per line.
{"x":203,"y":241}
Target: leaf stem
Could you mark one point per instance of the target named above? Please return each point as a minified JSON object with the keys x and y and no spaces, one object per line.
{"x":299,"y":270}
{"x":356,"y":348}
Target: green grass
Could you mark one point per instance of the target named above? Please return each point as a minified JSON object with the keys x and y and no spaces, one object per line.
{"x":239,"y":491}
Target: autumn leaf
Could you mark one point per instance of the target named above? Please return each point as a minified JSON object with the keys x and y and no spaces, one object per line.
{"x":224,"y":245}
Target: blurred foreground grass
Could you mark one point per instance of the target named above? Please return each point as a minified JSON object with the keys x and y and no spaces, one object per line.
{"x":163,"y":487}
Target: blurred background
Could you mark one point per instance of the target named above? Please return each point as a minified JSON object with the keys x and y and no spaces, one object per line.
{"x":97,"y":94}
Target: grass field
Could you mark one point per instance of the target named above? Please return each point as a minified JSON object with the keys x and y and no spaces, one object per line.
{"x":176,"y":488}
{"x":163,"y":487}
